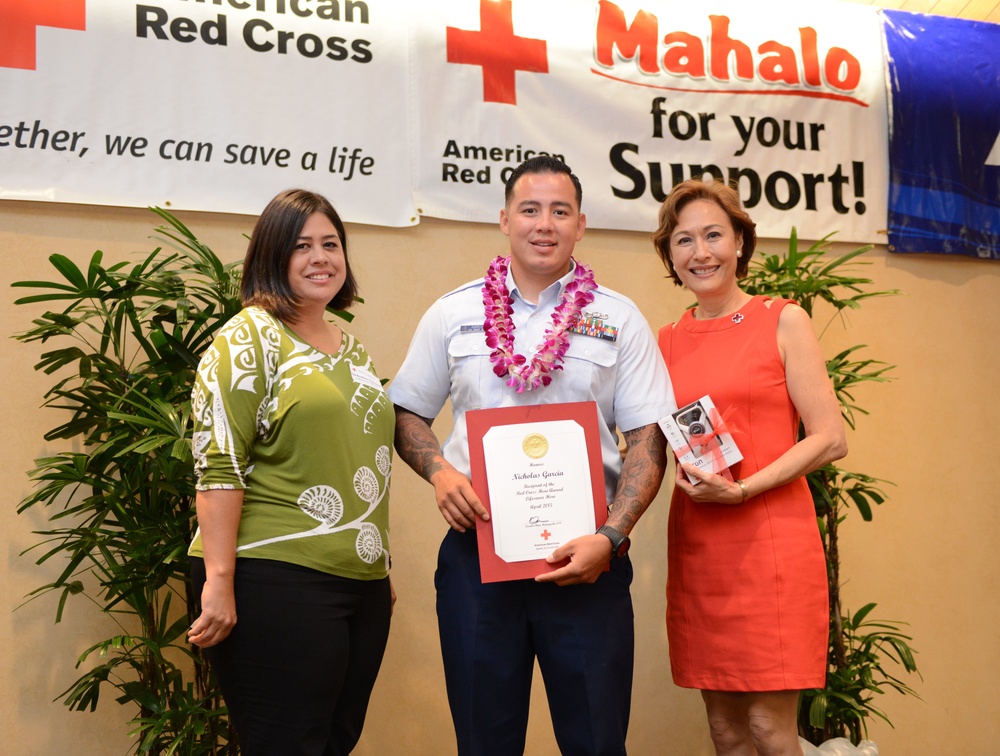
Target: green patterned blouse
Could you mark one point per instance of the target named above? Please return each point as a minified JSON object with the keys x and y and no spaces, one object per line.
{"x":307,"y":435}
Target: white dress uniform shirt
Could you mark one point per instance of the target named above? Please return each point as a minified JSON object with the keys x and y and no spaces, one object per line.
{"x":620,"y":367}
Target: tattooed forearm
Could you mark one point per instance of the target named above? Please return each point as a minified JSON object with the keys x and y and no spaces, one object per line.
{"x":416,"y":443}
{"x":642,"y":472}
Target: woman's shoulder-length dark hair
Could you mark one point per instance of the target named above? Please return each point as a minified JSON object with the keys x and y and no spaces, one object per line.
{"x":725,"y":197}
{"x":265,"y":267}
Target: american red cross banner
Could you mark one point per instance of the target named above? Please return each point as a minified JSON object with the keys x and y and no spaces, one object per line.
{"x":395,"y":109}
{"x":637,"y":96}
{"x":212,"y":105}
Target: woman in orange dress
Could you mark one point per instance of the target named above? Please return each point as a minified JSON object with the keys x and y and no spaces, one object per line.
{"x":747,"y":603}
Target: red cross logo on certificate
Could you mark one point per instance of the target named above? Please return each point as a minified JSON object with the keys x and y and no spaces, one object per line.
{"x":545,"y":534}
{"x":18,"y":22}
{"x":498,"y":50}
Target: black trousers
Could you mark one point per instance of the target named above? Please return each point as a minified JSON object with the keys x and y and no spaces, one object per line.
{"x":300,"y":664}
{"x":582,"y":636}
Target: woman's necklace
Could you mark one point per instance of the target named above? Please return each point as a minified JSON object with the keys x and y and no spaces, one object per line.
{"x":499,"y":327}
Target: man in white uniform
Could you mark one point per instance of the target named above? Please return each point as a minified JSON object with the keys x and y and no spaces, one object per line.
{"x":551,"y":336}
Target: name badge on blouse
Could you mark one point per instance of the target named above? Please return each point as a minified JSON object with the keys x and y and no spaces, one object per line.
{"x":365,"y":378}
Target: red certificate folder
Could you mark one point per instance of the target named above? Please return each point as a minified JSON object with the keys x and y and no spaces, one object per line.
{"x":493,"y":569}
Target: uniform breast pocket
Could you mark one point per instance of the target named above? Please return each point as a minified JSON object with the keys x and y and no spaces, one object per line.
{"x":589,"y":364}
{"x":471,"y":371}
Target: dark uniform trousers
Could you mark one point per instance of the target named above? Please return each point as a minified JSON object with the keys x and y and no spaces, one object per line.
{"x":582,"y":636}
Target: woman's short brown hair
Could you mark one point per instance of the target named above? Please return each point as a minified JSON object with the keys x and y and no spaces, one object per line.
{"x":265,"y":267}
{"x":717,"y":192}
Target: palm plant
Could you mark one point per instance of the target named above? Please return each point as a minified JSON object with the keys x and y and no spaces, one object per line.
{"x":126,"y":341}
{"x":858,"y":646}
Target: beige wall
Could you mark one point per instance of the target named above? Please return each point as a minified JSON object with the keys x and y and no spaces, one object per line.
{"x":930,"y":556}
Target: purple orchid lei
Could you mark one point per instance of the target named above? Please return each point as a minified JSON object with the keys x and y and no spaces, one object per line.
{"x":499,"y":327}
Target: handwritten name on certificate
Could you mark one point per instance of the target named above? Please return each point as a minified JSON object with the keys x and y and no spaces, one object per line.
{"x":540,"y":488}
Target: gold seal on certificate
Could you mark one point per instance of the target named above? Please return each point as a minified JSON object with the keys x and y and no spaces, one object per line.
{"x":535,"y":445}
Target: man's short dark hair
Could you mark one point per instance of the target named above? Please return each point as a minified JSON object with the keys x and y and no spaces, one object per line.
{"x":265,"y":267}
{"x":542,"y":164}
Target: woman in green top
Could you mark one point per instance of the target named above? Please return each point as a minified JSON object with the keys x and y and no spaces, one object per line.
{"x":293,"y":453}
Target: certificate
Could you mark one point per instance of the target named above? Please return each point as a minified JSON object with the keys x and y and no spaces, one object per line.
{"x":539,"y":473}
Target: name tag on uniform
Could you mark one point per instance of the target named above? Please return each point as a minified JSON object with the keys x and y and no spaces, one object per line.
{"x":365,"y":377}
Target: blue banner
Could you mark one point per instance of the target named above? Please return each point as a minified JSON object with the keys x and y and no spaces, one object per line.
{"x":944,"y":134}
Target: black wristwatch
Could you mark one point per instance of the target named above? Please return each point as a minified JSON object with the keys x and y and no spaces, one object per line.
{"x":620,"y":542}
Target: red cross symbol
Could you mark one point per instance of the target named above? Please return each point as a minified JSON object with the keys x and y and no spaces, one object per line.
{"x":545,"y":534}
{"x":18,"y":22}
{"x":497,"y":50}
{"x":738,"y":318}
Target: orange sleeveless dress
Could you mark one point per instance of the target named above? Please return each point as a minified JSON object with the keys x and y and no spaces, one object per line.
{"x":747,"y":603}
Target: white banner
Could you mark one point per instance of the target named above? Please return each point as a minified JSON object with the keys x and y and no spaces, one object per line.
{"x":393,"y":109}
{"x":212,"y":105}
{"x":787,"y":99}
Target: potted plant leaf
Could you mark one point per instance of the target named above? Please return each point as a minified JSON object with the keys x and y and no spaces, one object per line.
{"x":124,"y":341}
{"x":864,"y":654}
